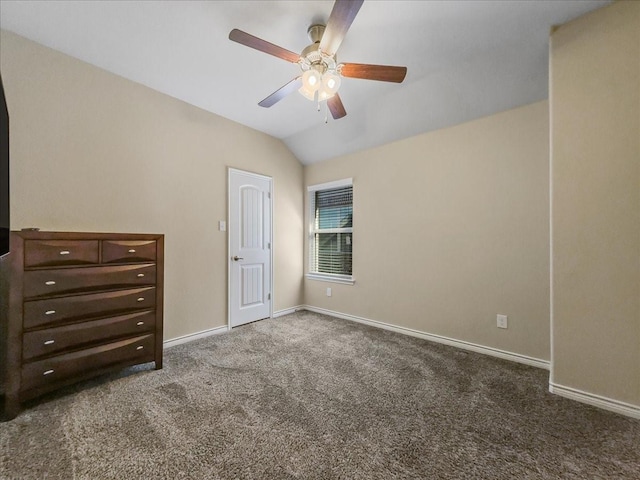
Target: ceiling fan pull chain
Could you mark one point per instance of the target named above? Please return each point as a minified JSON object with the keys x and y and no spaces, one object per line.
{"x":326,"y":112}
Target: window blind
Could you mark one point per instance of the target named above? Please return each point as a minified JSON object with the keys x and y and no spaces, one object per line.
{"x":332,"y":235}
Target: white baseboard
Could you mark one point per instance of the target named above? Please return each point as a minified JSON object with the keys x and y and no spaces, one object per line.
{"x":194,"y":336}
{"x":287,"y":311}
{"x":599,"y":401}
{"x":494,"y":352}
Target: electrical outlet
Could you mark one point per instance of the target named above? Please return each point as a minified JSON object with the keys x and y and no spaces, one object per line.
{"x":328,"y":292}
{"x":502,"y":321}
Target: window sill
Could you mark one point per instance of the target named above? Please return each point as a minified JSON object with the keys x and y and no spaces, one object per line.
{"x":323,"y":277}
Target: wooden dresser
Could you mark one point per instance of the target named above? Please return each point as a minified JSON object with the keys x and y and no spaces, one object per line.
{"x":78,"y":305}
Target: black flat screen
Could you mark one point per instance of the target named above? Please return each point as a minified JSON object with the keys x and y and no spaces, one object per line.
{"x":4,"y":174}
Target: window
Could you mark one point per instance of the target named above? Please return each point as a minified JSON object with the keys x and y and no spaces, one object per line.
{"x":331,"y":231}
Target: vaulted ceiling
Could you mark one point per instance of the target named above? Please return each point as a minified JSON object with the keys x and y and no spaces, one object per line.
{"x":465,"y":59}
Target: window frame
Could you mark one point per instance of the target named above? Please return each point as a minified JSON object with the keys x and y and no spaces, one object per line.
{"x":326,"y":277}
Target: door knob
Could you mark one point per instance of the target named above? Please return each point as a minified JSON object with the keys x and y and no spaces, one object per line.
{"x":236,"y":258}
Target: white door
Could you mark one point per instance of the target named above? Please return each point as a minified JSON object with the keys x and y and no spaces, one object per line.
{"x":249,"y":247}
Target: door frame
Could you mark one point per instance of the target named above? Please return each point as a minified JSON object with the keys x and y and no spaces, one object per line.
{"x":230,"y":171}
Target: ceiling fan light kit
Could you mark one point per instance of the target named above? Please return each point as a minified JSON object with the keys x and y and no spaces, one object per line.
{"x":325,"y":85}
{"x":320,"y":70}
{"x":321,"y":74}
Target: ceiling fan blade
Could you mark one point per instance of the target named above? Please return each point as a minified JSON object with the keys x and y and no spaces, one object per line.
{"x":342,"y":15}
{"x":383,"y":73}
{"x":282,"y":92}
{"x":249,"y":40}
{"x":335,"y":107}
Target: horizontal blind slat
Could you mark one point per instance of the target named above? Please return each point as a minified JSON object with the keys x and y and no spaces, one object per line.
{"x":334,"y":197}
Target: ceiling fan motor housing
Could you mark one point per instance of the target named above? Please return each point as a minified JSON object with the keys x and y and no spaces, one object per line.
{"x":312,"y":58}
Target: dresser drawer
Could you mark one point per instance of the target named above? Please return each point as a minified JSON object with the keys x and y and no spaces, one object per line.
{"x":56,"y":310}
{"x":50,"y":370}
{"x":43,"y":253}
{"x":52,"y":340}
{"x":122,"y":251}
{"x":64,"y":280}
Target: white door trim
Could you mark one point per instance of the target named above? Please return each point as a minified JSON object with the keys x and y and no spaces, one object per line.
{"x":231,"y":170}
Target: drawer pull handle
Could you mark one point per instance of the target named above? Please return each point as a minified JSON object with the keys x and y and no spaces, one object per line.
{"x":49,"y":312}
{"x":49,"y":342}
{"x":140,"y":323}
{"x":141,"y":299}
{"x":139,"y":347}
{"x":50,"y":282}
{"x":65,"y":252}
{"x":141,"y":275}
{"x":48,"y":372}
{"x":132,"y":250}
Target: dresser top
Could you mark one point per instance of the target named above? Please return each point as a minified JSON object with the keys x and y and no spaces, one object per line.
{"x":50,"y":235}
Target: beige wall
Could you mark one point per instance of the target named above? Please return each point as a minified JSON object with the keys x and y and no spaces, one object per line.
{"x":91,"y":151}
{"x":595,"y":116}
{"x":451,"y":228}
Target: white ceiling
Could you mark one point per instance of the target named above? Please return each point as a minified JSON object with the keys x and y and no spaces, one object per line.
{"x":465,"y":59}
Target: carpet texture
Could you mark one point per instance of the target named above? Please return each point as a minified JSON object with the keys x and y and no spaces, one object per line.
{"x":308,"y":396}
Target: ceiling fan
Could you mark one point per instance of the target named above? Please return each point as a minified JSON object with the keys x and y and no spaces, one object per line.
{"x":321,"y":73}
